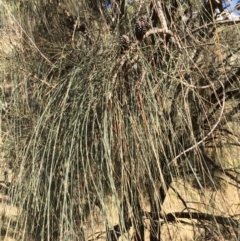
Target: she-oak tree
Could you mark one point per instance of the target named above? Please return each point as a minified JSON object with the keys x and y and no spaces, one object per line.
{"x":132,"y":98}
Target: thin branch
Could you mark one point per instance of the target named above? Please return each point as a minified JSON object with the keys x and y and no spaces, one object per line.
{"x":164,"y":31}
{"x":205,"y":137}
{"x":173,"y":216}
{"x":161,"y":15}
{"x":29,"y":38}
{"x":219,"y":168}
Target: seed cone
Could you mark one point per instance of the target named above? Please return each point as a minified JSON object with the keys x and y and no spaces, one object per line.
{"x":141,"y":27}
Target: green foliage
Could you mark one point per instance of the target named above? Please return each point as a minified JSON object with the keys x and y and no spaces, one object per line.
{"x":89,"y":119}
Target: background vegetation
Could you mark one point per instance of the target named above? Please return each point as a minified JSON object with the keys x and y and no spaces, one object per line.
{"x":99,"y":129}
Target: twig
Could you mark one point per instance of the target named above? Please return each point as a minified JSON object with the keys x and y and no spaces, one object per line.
{"x":204,"y":138}
{"x":161,"y":16}
{"x":231,"y":21}
{"x":164,"y":31}
{"x":29,"y":38}
{"x":173,"y":216}
{"x":121,"y":62}
{"x":33,"y":75}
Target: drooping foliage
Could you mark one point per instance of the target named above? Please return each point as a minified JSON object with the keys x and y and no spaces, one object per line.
{"x":112,"y":103}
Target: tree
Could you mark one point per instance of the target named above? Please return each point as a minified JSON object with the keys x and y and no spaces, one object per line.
{"x":123,"y":121}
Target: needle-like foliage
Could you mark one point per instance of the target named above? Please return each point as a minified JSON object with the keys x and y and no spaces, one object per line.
{"x":99,"y":134}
